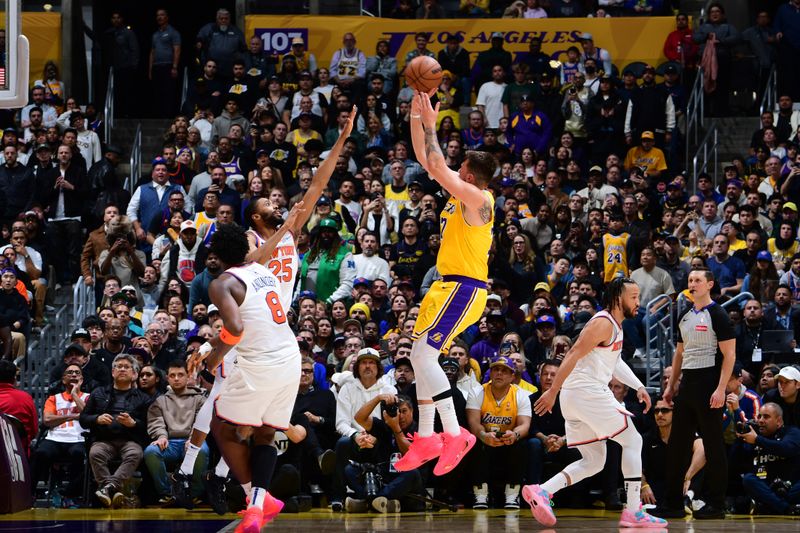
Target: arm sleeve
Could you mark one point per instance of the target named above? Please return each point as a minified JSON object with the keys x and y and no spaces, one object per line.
{"x":628,"y":116}
{"x":523,"y":403}
{"x":624,"y":373}
{"x":155,"y":422}
{"x":88,"y":416}
{"x":787,"y":447}
{"x":362,"y":64}
{"x":133,"y":205}
{"x":347,"y":273}
{"x":722,"y":324}
{"x":670,"y":114}
{"x":334,"y":69}
{"x":96,"y":152}
{"x":344,"y":418}
{"x":605,"y":57}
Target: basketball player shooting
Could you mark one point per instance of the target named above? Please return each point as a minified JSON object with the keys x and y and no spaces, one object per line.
{"x":458,"y":299}
{"x":591,"y":412}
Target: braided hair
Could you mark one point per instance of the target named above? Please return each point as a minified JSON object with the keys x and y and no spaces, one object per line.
{"x":614,"y":290}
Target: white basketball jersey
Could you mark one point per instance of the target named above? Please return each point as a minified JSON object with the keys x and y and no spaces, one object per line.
{"x":598,"y":366}
{"x":267,"y":337}
{"x":284,"y":264}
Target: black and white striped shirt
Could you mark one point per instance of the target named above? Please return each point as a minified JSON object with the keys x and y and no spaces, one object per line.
{"x":701,"y":331}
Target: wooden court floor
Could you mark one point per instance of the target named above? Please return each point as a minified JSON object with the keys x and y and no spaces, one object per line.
{"x":323,"y":521}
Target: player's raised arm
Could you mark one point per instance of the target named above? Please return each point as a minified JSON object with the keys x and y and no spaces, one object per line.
{"x":430,"y":156}
{"x":263,"y":253}
{"x":323,"y":174}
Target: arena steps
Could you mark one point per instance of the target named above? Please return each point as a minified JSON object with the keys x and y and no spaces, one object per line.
{"x":152,"y":138}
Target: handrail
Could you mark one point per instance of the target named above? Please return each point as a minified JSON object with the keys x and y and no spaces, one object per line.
{"x":708,"y":148}
{"x":108,"y":107}
{"x":44,"y":353}
{"x":363,"y":11}
{"x":695,"y":114}
{"x":82,"y":302}
{"x":136,"y":159}
{"x":664,"y":327}
{"x":185,"y":88}
{"x":683,"y":301}
{"x":770,"y":96}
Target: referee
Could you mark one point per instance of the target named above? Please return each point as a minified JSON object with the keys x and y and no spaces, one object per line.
{"x":704,"y":356}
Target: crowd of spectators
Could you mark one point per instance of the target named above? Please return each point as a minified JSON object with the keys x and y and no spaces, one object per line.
{"x":589,"y":186}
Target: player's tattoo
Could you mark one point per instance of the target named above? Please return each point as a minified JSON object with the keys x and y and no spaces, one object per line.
{"x":432,"y":148}
{"x":485,"y":211}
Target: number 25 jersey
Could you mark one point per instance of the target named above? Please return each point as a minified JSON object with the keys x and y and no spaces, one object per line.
{"x":267,"y":337}
{"x":284,"y":264}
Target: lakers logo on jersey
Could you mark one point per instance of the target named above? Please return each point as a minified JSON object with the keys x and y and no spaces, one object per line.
{"x":436,"y":337}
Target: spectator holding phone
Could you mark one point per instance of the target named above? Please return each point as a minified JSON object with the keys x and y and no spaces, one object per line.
{"x":499,"y":414}
{"x":116,"y":417}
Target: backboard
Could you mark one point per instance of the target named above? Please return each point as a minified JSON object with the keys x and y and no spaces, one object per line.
{"x":14,"y":57}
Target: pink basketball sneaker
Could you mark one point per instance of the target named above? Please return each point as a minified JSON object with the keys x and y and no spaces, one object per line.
{"x":541,"y":504}
{"x":454,"y":448}
{"x":640,"y":519}
{"x":422,"y":450}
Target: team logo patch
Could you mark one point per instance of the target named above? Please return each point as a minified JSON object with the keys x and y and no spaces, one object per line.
{"x":436,"y":337}
{"x":701,"y":327}
{"x":617,"y":345}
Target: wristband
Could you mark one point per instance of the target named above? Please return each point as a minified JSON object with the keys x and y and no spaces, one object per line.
{"x":229,"y":338}
{"x":205,"y":348}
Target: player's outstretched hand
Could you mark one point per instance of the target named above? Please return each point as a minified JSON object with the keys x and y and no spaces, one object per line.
{"x":644,"y":397}
{"x":427,"y":111}
{"x":298,"y":211}
{"x":348,"y":127}
{"x":545,"y":403}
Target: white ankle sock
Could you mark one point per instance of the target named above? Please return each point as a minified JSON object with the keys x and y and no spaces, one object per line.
{"x":187,"y":466}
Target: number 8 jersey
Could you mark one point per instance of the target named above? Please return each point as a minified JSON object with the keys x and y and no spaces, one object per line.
{"x":266,"y":337}
{"x":284,"y":264}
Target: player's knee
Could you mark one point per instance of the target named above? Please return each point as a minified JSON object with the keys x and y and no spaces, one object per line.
{"x":629,"y":438}
{"x":263,"y":436}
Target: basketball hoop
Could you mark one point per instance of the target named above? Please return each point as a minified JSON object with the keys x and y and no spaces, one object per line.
{"x":15,"y":70}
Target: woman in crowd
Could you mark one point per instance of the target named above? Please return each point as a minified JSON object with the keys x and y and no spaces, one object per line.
{"x":762,"y":280}
{"x":162,"y":243}
{"x":177,"y":310}
{"x":152,"y":381}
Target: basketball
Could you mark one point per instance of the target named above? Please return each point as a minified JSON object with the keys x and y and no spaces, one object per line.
{"x":423,"y":74}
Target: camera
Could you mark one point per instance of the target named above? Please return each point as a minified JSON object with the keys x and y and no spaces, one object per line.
{"x":781,"y":488}
{"x":373,"y":481}
{"x":573,"y":90}
{"x":744,"y":427}
{"x":390,"y":410}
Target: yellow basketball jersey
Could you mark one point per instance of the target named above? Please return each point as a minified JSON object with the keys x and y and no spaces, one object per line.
{"x":465,"y":249}
{"x":784,"y":256}
{"x":500,"y":416}
{"x":615,"y":259}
